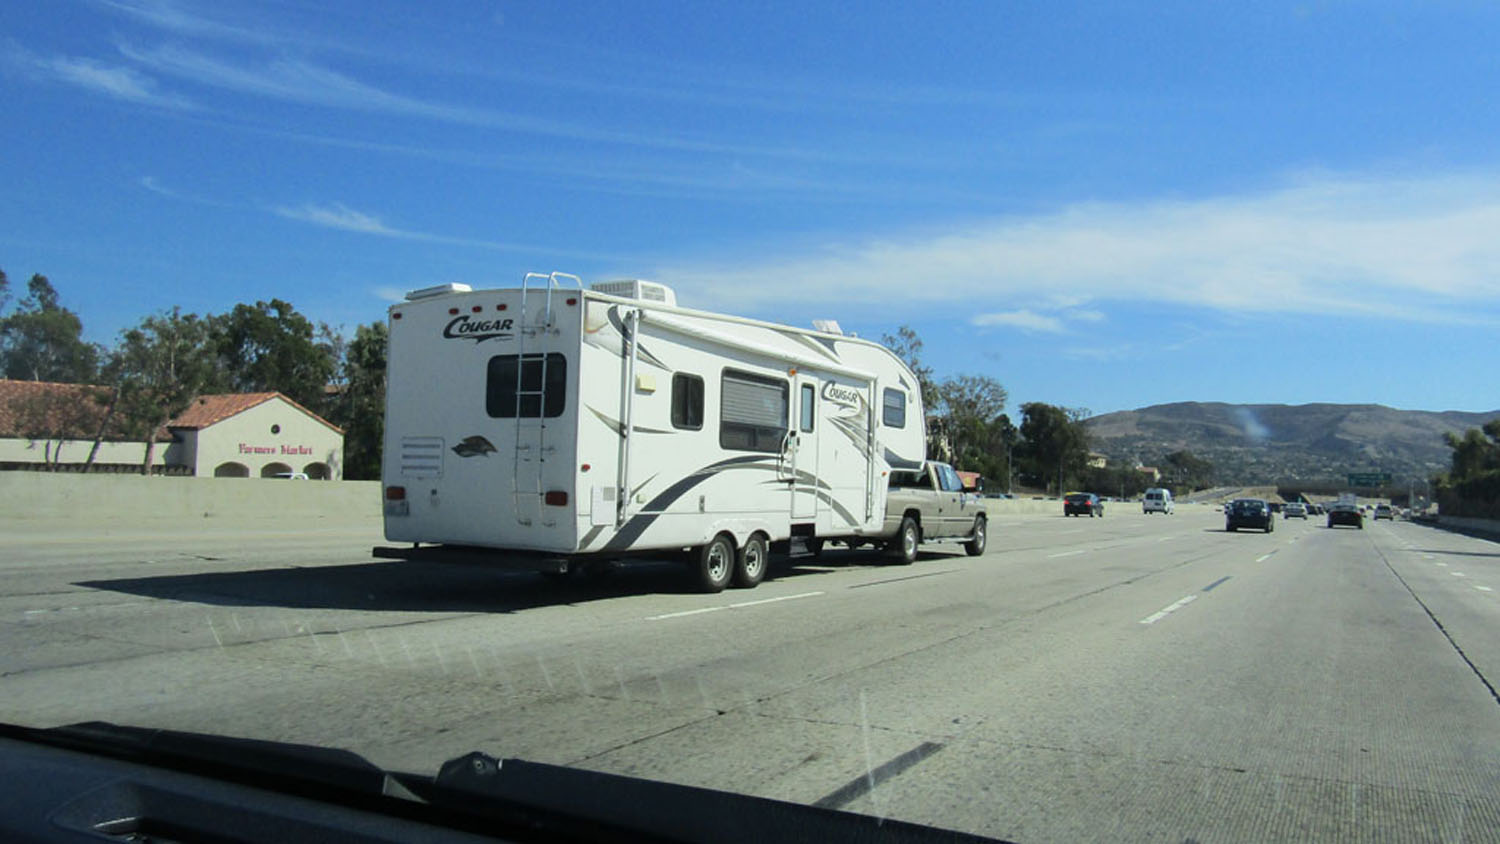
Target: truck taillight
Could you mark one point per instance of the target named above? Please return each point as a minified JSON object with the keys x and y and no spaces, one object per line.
{"x":556,"y":498}
{"x":395,"y":493}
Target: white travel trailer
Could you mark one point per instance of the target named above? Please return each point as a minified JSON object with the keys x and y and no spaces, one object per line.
{"x":601,"y":423}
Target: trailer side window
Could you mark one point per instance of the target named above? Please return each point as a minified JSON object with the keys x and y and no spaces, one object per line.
{"x":752,"y":412}
{"x":809,"y":407}
{"x":687,"y":401}
{"x":501,"y":392}
{"x":893,"y":407}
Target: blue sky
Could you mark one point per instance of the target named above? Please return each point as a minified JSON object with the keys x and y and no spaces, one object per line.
{"x":1101,"y":205}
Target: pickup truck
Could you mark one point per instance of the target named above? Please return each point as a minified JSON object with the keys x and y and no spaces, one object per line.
{"x":930,"y":505}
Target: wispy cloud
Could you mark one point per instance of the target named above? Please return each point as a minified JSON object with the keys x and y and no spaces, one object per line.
{"x":301,"y":81}
{"x":119,"y":82}
{"x":1026,"y":320}
{"x":336,"y":215}
{"x":1418,"y":249}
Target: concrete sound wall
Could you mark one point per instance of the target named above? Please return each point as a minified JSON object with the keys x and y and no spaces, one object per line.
{"x":115,"y":499}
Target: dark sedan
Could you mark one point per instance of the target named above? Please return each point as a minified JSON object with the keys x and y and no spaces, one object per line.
{"x":1346,"y":514}
{"x":1248,"y":513}
{"x":1081,"y":503}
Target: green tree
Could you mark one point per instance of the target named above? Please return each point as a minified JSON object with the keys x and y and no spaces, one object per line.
{"x":269,"y":346}
{"x":908,"y":346}
{"x":1055,"y":444}
{"x":973,"y":406}
{"x":359,"y":407}
{"x":159,"y":367}
{"x":1186,"y":472}
{"x":43,"y":341}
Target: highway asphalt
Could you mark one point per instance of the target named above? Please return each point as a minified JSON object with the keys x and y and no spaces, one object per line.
{"x":1137,"y":678}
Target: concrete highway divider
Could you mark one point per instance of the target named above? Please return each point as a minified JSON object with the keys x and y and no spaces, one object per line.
{"x":117,"y":500}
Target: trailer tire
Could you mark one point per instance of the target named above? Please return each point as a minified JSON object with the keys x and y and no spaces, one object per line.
{"x":753,"y":561}
{"x":713,"y":564}
{"x":975,"y":546}
{"x":904,"y":546}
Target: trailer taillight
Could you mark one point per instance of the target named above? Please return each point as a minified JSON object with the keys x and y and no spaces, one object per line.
{"x":556,"y":498}
{"x":396,"y":315}
{"x":572,"y":301}
{"x":395,"y":493}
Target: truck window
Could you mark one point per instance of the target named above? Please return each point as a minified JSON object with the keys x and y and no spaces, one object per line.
{"x":949,"y":479}
{"x":893,"y":408}
{"x":687,"y":401}
{"x":753,"y":412}
{"x":500,"y":387}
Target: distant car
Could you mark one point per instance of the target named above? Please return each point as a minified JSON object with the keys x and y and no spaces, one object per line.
{"x":1079,"y":503}
{"x":1345,"y":514}
{"x":1294,"y":510}
{"x":1157,"y":501}
{"x":1384,"y":511}
{"x":1249,"y":512}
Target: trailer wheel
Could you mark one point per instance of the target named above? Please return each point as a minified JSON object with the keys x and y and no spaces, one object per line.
{"x":904,"y":546}
{"x":754,"y":559}
{"x":714,"y":564}
{"x":975,"y":546}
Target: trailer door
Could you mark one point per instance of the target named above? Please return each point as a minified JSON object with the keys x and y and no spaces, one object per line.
{"x":803,"y":445}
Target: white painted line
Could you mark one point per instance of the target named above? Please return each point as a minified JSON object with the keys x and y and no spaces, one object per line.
{"x":1444,"y":565}
{"x":702,"y":610}
{"x":1170,"y":608}
{"x":1263,"y":557}
{"x":1069,"y":553}
{"x":684,"y":612}
{"x":1484,"y":588}
{"x":1427,"y":556}
{"x":1457,"y":573}
{"x":774,"y":600}
{"x":1165,"y":538}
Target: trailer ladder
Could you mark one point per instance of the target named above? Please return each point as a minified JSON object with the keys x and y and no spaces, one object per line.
{"x":531,"y":445}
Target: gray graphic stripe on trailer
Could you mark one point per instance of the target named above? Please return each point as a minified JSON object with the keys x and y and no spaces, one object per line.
{"x":619,"y":324}
{"x":632,"y":530}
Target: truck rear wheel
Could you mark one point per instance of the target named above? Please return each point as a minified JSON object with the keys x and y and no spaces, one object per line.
{"x":754,"y":558}
{"x":714,"y":564}
{"x":975,"y":546}
{"x":904,"y":546}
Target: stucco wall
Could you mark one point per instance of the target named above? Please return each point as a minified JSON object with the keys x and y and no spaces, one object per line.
{"x":77,"y":451}
{"x":247,"y":439}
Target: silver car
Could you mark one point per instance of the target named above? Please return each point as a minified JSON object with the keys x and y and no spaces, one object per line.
{"x":1294,"y":510}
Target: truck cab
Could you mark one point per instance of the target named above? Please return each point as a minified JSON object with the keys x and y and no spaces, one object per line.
{"x":930,"y":505}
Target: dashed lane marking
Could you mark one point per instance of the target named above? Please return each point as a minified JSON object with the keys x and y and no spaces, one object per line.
{"x":1068,"y":553}
{"x":1168,"y":609}
{"x":1484,"y":588}
{"x":1457,"y":573}
{"x":740,"y":605}
{"x":1263,"y":557}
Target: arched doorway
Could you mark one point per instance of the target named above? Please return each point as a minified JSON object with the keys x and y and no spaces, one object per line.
{"x":231,"y":470}
{"x":317,"y":471}
{"x":271,"y":470}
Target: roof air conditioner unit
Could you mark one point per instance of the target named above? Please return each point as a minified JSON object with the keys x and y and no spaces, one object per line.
{"x":647,"y":291}
{"x":438,"y":290}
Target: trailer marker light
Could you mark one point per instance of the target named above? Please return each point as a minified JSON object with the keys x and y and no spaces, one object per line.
{"x":396,"y":315}
{"x":477,"y":308}
{"x":452,"y":311}
{"x":395,"y":493}
{"x":556,"y":498}
{"x":585,"y":467}
{"x":572,"y":301}
{"x":501,"y":307}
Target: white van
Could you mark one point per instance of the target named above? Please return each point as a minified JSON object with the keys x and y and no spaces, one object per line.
{"x":1157,"y":501}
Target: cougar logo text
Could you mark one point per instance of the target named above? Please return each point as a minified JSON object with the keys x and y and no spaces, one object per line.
{"x":478,"y":330}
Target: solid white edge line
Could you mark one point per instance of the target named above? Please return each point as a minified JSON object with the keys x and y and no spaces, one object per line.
{"x":1484,"y":588}
{"x":1068,"y":553}
{"x":702,"y":610}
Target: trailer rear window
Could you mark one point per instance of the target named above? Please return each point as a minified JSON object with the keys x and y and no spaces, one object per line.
{"x":501,"y":394}
{"x":753,"y":412}
{"x":893,"y":408}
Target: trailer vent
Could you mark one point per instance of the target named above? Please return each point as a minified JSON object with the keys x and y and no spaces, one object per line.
{"x":648,"y":291}
{"x":422,"y":457}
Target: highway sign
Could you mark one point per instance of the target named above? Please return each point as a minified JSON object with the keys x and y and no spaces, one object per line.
{"x":1368,"y":479}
